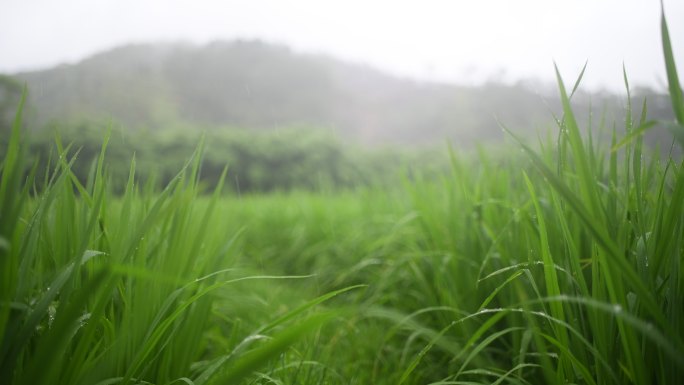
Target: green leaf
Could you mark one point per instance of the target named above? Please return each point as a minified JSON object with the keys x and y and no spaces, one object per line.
{"x":262,"y":355}
{"x":671,"y":68}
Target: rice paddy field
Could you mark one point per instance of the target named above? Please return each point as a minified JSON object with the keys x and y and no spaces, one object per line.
{"x":558,"y":263}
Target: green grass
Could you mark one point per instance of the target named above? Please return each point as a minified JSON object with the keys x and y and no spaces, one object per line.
{"x":557,"y":264}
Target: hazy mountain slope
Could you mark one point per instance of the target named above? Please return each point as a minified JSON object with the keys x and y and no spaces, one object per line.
{"x":256,"y":85}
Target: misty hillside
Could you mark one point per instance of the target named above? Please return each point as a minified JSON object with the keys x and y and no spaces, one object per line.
{"x":261,"y":86}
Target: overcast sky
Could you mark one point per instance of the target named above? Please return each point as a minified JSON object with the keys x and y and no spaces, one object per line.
{"x":458,"y":41}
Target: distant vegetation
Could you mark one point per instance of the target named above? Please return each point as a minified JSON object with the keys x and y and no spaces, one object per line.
{"x":280,"y":120}
{"x":280,"y":160}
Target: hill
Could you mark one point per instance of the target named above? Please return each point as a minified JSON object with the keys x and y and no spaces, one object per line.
{"x":260,"y":86}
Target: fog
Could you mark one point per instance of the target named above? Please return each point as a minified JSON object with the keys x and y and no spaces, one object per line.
{"x":465,"y":42}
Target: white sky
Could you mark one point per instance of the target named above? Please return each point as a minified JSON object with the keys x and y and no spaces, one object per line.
{"x":460,"y":41}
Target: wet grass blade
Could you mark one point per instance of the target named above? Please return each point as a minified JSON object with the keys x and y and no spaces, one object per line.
{"x":671,"y":69}
{"x":44,"y":366}
{"x":278,"y":345}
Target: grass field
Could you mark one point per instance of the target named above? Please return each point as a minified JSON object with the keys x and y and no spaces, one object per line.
{"x":560,"y":263}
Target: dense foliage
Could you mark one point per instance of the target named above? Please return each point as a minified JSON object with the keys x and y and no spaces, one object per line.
{"x":282,"y":160}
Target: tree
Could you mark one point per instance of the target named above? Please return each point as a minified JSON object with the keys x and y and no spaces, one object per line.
{"x":10,"y":94}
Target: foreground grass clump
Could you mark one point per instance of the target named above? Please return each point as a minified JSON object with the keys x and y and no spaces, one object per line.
{"x":560,"y":264}
{"x":105,"y":289}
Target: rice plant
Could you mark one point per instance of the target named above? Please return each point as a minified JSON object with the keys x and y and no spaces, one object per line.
{"x":560,"y":263}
